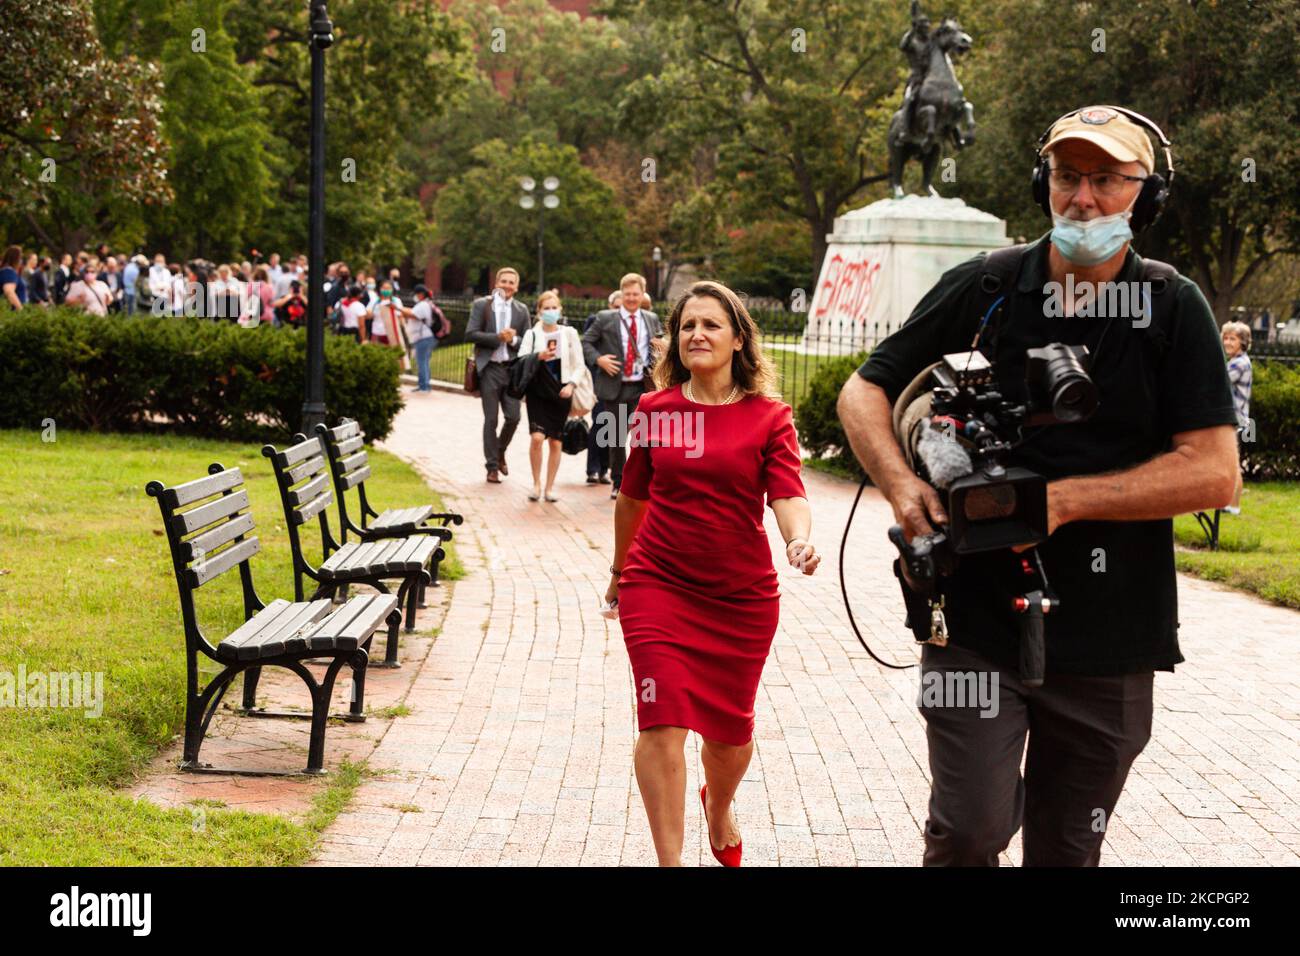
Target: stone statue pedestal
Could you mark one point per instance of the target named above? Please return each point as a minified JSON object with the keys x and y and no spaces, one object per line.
{"x":882,"y":259}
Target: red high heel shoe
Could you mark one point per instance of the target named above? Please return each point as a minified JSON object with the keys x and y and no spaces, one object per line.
{"x":728,"y":856}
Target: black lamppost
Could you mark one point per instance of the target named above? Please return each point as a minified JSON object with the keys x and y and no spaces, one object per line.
{"x":658,"y":256}
{"x":549,"y":201}
{"x":313,"y":409}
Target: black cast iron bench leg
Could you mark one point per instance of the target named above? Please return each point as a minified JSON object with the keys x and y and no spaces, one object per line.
{"x":1210,"y":525}
{"x":320,"y":708}
{"x":251,"y":677}
{"x":198,"y":714}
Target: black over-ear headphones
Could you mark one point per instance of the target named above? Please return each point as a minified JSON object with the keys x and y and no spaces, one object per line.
{"x":1155,"y":188}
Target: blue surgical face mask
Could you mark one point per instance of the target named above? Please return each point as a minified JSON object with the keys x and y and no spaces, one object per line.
{"x":1093,"y":242}
{"x":550,"y":316}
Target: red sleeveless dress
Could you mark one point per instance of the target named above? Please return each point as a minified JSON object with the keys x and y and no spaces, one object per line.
{"x":698,"y":596}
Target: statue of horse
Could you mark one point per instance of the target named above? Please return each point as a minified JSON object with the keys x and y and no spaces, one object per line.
{"x":939,"y":111}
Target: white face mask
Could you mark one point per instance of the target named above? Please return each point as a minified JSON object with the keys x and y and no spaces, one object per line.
{"x":1092,"y":242}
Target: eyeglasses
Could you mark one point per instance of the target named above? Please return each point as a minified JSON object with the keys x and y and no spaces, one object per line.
{"x":1062,"y":179}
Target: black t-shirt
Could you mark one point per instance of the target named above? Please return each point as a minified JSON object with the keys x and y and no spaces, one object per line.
{"x":1122,"y":619}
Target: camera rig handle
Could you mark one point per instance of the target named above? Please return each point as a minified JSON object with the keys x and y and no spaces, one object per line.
{"x":1031,"y":606}
{"x":921,"y":564}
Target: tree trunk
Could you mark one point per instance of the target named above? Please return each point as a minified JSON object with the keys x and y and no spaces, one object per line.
{"x":820,"y":226}
{"x":1221,"y":305}
{"x":74,"y":240}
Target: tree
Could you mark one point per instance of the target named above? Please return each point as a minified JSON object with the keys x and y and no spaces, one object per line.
{"x":481,"y":223}
{"x":765,"y":259}
{"x":392,"y":65}
{"x":81,"y":147}
{"x":536,"y":71}
{"x":796,"y":95}
{"x":1208,"y":73}
{"x":216,"y":135}
{"x":676,"y":211}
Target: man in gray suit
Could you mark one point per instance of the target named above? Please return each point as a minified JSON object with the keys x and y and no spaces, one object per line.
{"x":496,"y":325}
{"x":621,"y":348}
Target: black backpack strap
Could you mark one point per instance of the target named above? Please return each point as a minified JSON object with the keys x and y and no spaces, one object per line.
{"x":997,"y":278}
{"x":1001,"y":267}
{"x":1162,"y":276}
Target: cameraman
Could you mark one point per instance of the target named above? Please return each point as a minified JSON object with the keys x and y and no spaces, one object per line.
{"x":1161,"y":443}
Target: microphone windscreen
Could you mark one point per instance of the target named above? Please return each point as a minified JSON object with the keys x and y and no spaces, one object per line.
{"x":944,"y":458}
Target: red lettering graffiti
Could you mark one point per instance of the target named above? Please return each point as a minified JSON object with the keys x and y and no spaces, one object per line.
{"x":846,"y":290}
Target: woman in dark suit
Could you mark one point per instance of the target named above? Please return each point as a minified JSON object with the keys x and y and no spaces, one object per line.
{"x":693,"y":576}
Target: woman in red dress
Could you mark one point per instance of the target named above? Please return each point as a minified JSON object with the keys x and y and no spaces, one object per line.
{"x":692,"y":575}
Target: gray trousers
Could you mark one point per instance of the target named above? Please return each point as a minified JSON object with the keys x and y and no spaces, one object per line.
{"x":492,"y":390}
{"x":1084,"y":734}
{"x":629,"y":394}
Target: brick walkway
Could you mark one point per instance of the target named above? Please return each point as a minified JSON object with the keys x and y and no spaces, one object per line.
{"x":518,"y":747}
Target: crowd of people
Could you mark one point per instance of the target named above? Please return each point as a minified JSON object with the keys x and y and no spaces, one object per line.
{"x":254,"y":293}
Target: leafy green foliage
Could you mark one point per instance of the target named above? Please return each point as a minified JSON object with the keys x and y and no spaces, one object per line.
{"x":795,"y":96}
{"x":537,"y":71}
{"x":81,"y":146}
{"x":1275,"y":409}
{"x":213,"y":124}
{"x":816,"y":419}
{"x":766,"y":259}
{"x":480,"y":219}
{"x":201,"y":377}
{"x":391,"y":67}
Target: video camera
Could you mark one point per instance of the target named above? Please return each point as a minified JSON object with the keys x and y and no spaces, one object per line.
{"x":956,"y":430}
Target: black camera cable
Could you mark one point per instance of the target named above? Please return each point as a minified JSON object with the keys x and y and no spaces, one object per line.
{"x":844,"y":591}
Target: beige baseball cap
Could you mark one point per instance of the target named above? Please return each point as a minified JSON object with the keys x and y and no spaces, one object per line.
{"x":1108,"y":129}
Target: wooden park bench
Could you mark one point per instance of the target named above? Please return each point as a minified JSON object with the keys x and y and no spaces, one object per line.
{"x":213,"y":534}
{"x":344,"y":445}
{"x":301,"y":473}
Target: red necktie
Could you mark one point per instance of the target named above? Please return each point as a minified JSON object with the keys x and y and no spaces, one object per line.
{"x":631,"y":348}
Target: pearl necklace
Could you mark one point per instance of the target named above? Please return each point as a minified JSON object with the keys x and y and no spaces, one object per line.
{"x":690,"y":394}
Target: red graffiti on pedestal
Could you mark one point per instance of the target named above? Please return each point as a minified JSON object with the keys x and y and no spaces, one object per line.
{"x":845,"y":293}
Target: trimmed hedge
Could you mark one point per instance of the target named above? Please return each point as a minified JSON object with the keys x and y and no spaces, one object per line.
{"x":816,"y":419}
{"x":1274,"y":406}
{"x":1275,"y":409}
{"x":196,"y":376}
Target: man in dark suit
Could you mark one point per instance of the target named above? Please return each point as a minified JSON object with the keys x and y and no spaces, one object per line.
{"x":598,"y":454}
{"x":497,"y":323}
{"x":621,"y":346}
{"x":62,"y":279}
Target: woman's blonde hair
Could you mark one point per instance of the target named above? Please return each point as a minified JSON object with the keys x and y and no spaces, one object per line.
{"x":1241,"y":330}
{"x":545,"y":297}
{"x":751,"y":369}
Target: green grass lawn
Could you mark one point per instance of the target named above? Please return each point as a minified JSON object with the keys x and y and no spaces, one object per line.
{"x":795,"y":371}
{"x":1259,"y":549}
{"x":447,"y":364}
{"x":86,"y":585}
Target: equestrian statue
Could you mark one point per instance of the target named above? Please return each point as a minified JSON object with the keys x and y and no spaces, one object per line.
{"x":934,"y":109}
